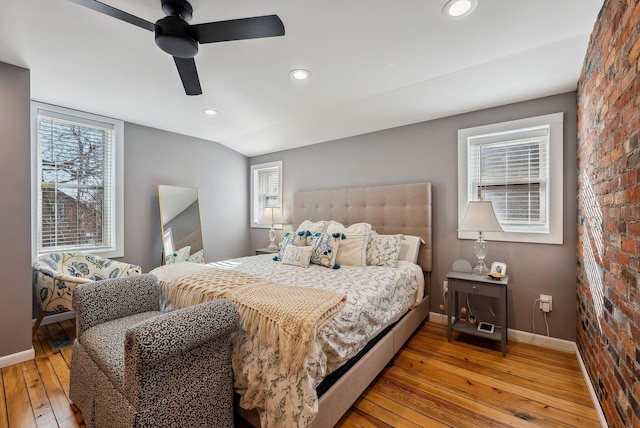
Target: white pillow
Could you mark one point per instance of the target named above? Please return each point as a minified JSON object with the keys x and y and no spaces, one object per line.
{"x":409,"y":248}
{"x":353,"y":249}
{"x":313,"y":227}
{"x":297,"y":256}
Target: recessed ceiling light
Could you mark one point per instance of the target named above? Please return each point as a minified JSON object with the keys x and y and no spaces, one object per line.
{"x":209,"y":112}
{"x":299,"y":74}
{"x":459,"y":8}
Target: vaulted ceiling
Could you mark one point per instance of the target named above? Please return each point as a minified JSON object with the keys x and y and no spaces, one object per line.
{"x":375,"y":64}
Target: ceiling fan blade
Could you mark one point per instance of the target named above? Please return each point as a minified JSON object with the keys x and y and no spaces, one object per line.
{"x":239,"y":29}
{"x":188,"y":75}
{"x":116,"y":13}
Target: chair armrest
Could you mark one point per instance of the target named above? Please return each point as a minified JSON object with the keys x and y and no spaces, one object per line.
{"x":68,"y":278}
{"x":101,"y":301}
{"x":171,"y":334}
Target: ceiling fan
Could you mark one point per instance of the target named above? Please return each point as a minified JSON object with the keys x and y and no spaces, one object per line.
{"x":175,"y":36}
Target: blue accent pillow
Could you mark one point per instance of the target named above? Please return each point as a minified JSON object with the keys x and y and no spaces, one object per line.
{"x":325,"y":249}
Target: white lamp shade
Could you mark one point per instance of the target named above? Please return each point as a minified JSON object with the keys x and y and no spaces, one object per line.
{"x":480,"y":217}
{"x":272,"y":215}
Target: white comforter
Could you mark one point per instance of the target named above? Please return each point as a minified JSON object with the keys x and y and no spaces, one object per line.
{"x":376,"y":296}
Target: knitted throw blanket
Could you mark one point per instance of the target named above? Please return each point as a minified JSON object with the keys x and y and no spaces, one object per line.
{"x":284,"y":316}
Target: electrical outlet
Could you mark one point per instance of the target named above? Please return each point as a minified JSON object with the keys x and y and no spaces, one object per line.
{"x":445,"y":286}
{"x":442,"y":306}
{"x":546,"y":302}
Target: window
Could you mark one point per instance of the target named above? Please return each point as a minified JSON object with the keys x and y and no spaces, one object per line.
{"x":518,"y":167}
{"x":78,"y":182}
{"x":266,"y":189}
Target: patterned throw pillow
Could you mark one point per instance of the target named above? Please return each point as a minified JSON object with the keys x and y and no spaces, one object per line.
{"x":302,"y":238}
{"x":288,"y":239}
{"x":197,"y":257}
{"x":297,"y":255}
{"x":325,"y":249}
{"x":383,"y":250}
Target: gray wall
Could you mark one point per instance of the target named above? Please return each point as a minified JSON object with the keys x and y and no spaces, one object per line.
{"x":427,"y":151}
{"x":221,"y":175}
{"x":15,"y":211}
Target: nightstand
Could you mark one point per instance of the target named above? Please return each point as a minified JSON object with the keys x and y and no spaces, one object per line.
{"x":482,"y":286}
{"x":265,"y":251}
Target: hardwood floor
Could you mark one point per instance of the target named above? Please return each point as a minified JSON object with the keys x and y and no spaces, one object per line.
{"x":432,"y":383}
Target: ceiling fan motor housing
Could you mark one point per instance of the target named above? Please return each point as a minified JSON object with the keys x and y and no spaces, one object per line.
{"x":174,"y":36}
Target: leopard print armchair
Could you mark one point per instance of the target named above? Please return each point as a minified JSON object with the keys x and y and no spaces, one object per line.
{"x":136,"y":366}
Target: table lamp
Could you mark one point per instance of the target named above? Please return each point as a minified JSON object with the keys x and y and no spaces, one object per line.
{"x":480,"y":217}
{"x":272,"y":216}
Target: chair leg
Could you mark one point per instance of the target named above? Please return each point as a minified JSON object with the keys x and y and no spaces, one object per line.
{"x":38,"y":322}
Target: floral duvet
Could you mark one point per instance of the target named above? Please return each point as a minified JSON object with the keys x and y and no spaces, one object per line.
{"x":376,"y":296}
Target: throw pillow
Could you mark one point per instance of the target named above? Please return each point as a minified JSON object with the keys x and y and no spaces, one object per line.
{"x":325,"y":249}
{"x":288,"y":239}
{"x":313,"y":227}
{"x":182,"y":255}
{"x":197,"y":257}
{"x":353,"y":249}
{"x":383,"y":250}
{"x":297,"y":256}
{"x":302,"y":238}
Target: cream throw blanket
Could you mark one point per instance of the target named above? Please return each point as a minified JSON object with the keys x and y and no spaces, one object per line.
{"x":284,"y":316}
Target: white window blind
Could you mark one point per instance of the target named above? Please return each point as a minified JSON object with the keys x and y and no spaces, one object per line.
{"x":268,"y":196}
{"x":76,"y":183}
{"x":511,"y":171}
{"x":266,"y":188}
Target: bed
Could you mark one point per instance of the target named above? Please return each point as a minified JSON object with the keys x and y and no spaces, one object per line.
{"x":321,"y":389}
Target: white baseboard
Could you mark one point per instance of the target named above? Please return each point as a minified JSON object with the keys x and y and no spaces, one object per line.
{"x":547,"y":342}
{"x":522,"y":336}
{"x":592,"y":391}
{"x":544,"y":341}
{"x":17,"y":358}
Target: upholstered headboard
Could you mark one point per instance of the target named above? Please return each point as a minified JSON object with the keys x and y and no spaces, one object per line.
{"x":402,"y":208}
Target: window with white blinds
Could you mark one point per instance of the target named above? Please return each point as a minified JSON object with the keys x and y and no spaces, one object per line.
{"x":518,"y":167}
{"x":78,"y":182}
{"x":266,"y":189}
{"x":511,"y":171}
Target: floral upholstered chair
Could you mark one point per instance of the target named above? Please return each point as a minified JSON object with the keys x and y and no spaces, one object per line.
{"x":55,"y":276}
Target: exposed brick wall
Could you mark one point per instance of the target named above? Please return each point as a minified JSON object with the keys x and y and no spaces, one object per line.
{"x":608,"y":333}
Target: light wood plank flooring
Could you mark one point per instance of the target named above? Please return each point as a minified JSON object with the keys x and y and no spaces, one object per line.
{"x":432,"y":383}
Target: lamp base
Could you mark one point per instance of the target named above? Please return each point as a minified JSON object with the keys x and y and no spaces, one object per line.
{"x":480,"y":269}
{"x":481,"y":247}
{"x":272,"y":237}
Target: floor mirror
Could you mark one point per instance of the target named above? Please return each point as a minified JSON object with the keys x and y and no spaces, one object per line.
{"x":181,"y":225}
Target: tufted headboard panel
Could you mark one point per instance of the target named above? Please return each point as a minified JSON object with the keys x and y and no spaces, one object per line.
{"x":401,"y":208}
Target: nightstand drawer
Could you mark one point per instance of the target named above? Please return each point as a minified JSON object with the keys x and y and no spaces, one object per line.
{"x":481,"y":290}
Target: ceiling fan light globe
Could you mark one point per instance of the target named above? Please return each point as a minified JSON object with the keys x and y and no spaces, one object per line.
{"x":174,"y":36}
